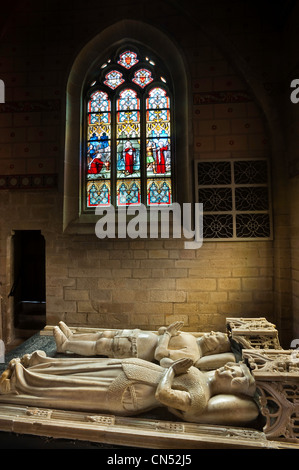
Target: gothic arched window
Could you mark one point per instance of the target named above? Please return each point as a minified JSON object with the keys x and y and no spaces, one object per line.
{"x":127,"y":153}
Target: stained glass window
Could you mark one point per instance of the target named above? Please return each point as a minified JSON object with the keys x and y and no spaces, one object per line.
{"x":128,"y":150}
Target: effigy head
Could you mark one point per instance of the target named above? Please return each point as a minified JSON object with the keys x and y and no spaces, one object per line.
{"x":215,"y":342}
{"x":237,"y":378}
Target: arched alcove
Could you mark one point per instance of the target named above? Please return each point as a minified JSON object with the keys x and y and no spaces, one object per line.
{"x":89,"y":56}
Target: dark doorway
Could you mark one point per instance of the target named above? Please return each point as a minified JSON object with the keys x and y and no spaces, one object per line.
{"x":29,"y":283}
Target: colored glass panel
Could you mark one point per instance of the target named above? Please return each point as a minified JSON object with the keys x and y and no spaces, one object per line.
{"x":128,"y":158}
{"x":159,"y":192}
{"x":128,"y":100}
{"x":142,"y":77}
{"x":98,"y":161}
{"x":127,"y":59}
{"x":157,"y":99}
{"x":158,"y":157}
{"x":114,"y":79}
{"x":128,"y":192}
{"x":99,"y":103}
{"x":98,"y":193}
{"x":128,"y":134}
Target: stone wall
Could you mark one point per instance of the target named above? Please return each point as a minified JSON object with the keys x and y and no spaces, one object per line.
{"x":152,"y":283}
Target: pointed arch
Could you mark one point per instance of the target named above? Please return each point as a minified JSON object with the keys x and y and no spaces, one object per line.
{"x":117,"y":35}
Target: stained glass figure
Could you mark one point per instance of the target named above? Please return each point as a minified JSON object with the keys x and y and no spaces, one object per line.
{"x":128,"y":192}
{"x":114,"y":79}
{"x":159,"y":192}
{"x":98,"y":193}
{"x":142,"y":77}
{"x":128,"y":59}
{"x":128,"y":163}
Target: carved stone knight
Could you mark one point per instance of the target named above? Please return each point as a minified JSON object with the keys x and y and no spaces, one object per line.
{"x":131,"y":386}
{"x":209,"y":351}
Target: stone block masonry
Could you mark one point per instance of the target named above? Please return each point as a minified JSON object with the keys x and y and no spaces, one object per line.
{"x":116,"y":283}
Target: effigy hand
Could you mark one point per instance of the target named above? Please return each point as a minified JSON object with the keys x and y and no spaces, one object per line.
{"x":181,"y":366}
{"x":174,"y":328}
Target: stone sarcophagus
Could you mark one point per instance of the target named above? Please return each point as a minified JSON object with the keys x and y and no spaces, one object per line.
{"x":276,"y":375}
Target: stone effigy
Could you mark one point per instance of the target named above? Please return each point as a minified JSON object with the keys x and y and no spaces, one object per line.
{"x":208,"y":351}
{"x":128,"y":387}
{"x":275,"y":375}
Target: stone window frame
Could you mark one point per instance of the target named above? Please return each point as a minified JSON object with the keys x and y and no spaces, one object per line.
{"x":75,"y":221}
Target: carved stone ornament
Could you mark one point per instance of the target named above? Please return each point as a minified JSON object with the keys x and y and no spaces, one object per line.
{"x":256,"y":333}
{"x":277,"y":379}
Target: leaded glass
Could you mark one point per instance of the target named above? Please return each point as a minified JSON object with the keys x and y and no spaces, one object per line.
{"x":250,"y":172}
{"x":114,"y":79}
{"x":217,"y":226}
{"x":158,"y":157}
{"x":128,"y":134}
{"x":99,"y":136}
{"x":128,"y":192}
{"x":157,"y":99}
{"x":216,"y":199}
{"x":142,"y":77}
{"x":98,"y":193}
{"x":127,"y":59}
{"x":214,"y":173}
{"x":158,"y":144}
{"x":252,"y":198}
{"x":128,"y":158}
{"x":99,"y":102}
{"x":159,"y":192}
{"x":128,"y":100}
{"x":128,"y":151}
